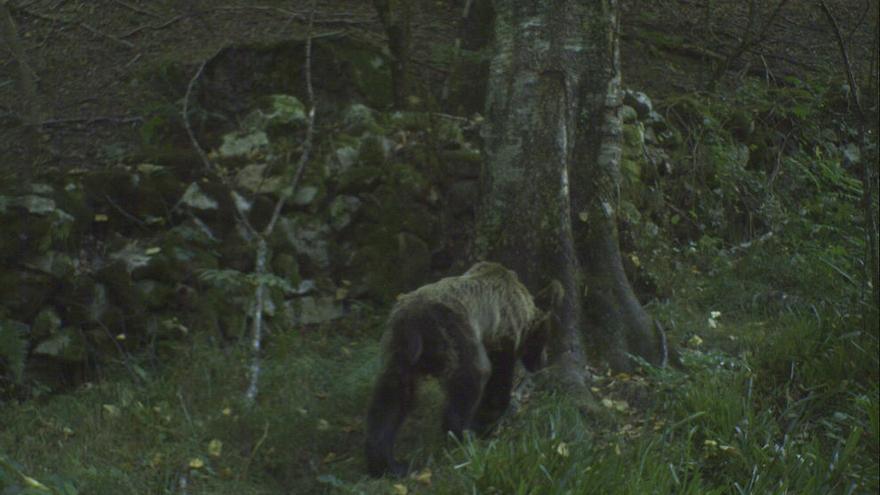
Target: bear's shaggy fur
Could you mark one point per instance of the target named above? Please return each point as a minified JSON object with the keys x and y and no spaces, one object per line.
{"x":468,"y":331}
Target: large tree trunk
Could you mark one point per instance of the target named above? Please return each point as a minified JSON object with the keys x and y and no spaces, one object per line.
{"x":551,"y":108}
{"x":616,"y":322}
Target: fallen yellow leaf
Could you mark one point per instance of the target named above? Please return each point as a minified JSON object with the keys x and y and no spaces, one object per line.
{"x":423,"y":477}
{"x":111,"y":410}
{"x":400,"y":489}
{"x":730,"y":449}
{"x":196,"y":463}
{"x":562,"y":449}
{"x":215,"y":447}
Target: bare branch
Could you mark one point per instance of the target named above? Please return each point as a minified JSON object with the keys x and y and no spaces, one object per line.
{"x":153,"y":27}
{"x":136,"y":8}
{"x":262,"y":247}
{"x":84,"y":25}
{"x":854,"y":89}
{"x":307,"y":144}
{"x":209,"y":165}
{"x":113,"y":119}
{"x":869,"y":180}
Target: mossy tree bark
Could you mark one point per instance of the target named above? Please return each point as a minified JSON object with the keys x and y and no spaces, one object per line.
{"x":396,"y":18}
{"x":551,"y":177}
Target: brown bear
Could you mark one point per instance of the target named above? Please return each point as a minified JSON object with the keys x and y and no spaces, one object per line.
{"x":467,"y":331}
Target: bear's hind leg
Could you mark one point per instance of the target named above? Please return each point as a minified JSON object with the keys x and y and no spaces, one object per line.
{"x":496,"y":394}
{"x":464,"y":389}
{"x":392,"y":399}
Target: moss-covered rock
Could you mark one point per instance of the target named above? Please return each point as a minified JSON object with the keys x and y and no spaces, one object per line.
{"x":116,"y":277}
{"x":342,"y":211}
{"x":24,"y":293}
{"x":46,"y":323}
{"x":628,"y":114}
{"x":284,"y":265}
{"x":243,"y":145}
{"x":359,"y":179}
{"x":31,"y":225}
{"x":117,"y":185}
{"x":359,"y":118}
{"x":311,"y":310}
{"x":374,"y":150}
{"x":308,"y":237}
{"x":55,"y":263}
{"x":389,"y":263}
{"x":638,"y":101}
{"x":68,"y":344}
{"x":154,"y":295}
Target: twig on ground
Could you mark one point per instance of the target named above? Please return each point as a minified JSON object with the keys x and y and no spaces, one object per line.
{"x":124,"y":213}
{"x":329,"y":18}
{"x":113,"y":119}
{"x":88,"y":27}
{"x":136,"y":8}
{"x":133,"y":60}
{"x":93,"y":30}
{"x":247,"y":463}
{"x":186,"y":414}
{"x":154,"y":27}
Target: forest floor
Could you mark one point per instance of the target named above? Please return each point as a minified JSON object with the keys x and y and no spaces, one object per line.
{"x":89,"y":56}
{"x":780,"y":395}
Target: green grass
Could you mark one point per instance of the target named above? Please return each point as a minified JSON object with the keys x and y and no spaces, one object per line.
{"x":772,"y":402}
{"x":732,"y":424}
